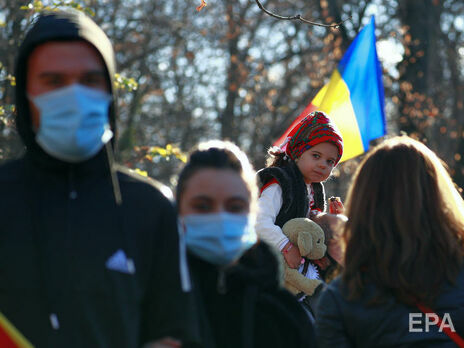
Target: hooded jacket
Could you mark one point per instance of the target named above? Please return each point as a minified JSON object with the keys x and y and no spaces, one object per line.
{"x":245,"y":305}
{"x":59,"y":26}
{"x":76,"y":268}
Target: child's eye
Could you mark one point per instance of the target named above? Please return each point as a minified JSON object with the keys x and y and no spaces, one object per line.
{"x":315,"y":155}
{"x":331,"y":162}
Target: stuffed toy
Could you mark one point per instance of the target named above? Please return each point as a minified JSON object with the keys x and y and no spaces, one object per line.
{"x":309,"y":238}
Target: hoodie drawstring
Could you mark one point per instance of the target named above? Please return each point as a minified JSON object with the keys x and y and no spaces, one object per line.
{"x":113,"y":174}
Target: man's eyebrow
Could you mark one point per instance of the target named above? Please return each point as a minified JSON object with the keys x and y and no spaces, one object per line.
{"x":46,"y":74}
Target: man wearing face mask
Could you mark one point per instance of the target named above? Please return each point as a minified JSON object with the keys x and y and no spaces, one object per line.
{"x":89,"y":253}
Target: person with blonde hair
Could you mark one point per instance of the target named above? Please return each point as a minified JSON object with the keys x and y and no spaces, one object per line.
{"x":404,"y":255}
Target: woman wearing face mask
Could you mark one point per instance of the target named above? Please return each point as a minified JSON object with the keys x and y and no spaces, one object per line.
{"x":237,"y":280}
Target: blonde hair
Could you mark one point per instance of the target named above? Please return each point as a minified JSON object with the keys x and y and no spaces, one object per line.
{"x":405,"y":216}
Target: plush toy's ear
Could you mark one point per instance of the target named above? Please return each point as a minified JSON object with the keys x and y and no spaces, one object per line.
{"x":305,"y":243}
{"x":319,"y":250}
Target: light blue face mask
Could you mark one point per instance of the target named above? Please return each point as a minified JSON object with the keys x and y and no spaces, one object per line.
{"x":73,"y":122}
{"x":218,"y":238}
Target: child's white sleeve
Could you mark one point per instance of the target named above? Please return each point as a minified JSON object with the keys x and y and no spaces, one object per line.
{"x":269,"y":205}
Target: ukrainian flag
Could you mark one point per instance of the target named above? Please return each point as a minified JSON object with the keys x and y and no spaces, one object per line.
{"x":354,"y":97}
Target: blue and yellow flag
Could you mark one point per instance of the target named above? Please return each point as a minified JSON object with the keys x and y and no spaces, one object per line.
{"x":354,"y":97}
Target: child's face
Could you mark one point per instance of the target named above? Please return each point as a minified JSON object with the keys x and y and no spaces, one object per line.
{"x":316,"y":164}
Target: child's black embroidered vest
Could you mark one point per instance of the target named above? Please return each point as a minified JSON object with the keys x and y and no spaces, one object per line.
{"x":294,"y":192}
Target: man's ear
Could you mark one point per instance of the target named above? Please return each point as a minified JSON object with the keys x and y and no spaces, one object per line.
{"x":305,"y":243}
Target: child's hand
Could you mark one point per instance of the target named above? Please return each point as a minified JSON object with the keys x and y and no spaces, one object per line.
{"x":322,"y":263}
{"x":292,"y":255}
{"x":336,"y":206}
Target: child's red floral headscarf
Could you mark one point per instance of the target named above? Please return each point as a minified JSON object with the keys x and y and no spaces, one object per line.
{"x":314,"y":129}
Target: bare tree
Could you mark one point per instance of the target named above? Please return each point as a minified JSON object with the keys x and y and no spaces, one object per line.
{"x":235,"y":71}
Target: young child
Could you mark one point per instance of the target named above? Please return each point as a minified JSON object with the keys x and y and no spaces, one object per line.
{"x":291,"y":185}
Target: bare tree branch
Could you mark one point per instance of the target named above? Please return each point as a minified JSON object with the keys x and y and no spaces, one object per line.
{"x":300,"y":18}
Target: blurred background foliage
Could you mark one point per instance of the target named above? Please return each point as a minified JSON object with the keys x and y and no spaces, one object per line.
{"x":230,"y":71}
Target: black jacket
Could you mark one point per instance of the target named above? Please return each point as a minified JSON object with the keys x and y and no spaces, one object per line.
{"x":295,"y":201}
{"x":245,"y":306}
{"x":342,"y":323}
{"x":76,"y":269}
{"x":60,"y":227}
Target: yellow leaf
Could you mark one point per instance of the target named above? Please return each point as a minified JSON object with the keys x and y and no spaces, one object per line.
{"x":141,"y":172}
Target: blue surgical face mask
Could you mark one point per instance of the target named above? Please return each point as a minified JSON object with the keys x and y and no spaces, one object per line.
{"x":218,"y":238}
{"x":73,"y":122}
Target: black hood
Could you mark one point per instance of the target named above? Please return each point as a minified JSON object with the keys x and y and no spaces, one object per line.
{"x":58,"y":26}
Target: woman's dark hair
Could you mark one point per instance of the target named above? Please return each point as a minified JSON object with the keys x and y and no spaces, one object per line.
{"x":405,"y":229}
{"x":218,"y":154}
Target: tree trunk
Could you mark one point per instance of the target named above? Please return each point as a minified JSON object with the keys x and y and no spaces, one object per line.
{"x":421,"y":65}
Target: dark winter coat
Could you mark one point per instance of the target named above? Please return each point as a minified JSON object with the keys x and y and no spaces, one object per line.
{"x":245,"y":305}
{"x":76,"y":269}
{"x":60,"y":227}
{"x":295,"y":202}
{"x":342,"y":323}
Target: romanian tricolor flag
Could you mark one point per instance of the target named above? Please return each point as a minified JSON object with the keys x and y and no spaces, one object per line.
{"x":353,"y":98}
{"x":10,"y":337}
